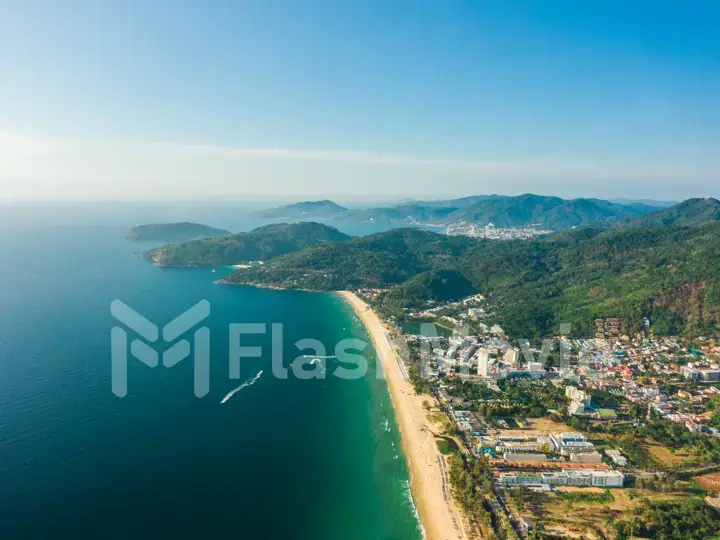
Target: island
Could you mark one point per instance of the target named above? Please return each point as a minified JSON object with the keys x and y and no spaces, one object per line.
{"x":304,"y":210}
{"x":173,"y":232}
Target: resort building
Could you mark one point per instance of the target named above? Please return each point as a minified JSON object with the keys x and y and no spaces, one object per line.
{"x":566,"y":477}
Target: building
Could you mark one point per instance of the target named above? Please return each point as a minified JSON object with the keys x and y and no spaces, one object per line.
{"x":588,"y":457}
{"x":476,"y":313}
{"x":522,"y":456}
{"x":511,"y":356}
{"x":616,"y":457}
{"x":579,"y":400}
{"x":566,"y":477}
{"x":568,"y":444}
{"x":483,"y":357}
{"x":535,"y":368}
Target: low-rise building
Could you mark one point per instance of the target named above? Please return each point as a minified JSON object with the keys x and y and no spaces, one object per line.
{"x":524,"y":456}
{"x":586,"y":457}
{"x":616,"y":457}
{"x":566,"y":477}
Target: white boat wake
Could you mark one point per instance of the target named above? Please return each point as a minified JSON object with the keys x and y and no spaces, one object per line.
{"x":234,"y":391}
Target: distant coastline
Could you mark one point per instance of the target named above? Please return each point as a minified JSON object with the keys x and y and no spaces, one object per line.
{"x":438,"y":517}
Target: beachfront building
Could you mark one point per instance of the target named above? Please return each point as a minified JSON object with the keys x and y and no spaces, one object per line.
{"x":566,"y":477}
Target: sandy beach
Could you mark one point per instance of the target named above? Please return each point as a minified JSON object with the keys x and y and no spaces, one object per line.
{"x":439,"y":516}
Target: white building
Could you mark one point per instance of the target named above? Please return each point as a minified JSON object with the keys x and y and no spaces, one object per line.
{"x":579,"y":400}
{"x":511,"y":356}
{"x":483,"y":358}
{"x":617,"y":457}
{"x":566,"y":477}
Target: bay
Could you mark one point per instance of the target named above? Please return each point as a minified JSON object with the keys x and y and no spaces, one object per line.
{"x":303,"y":459}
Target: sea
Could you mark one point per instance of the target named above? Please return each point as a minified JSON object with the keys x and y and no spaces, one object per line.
{"x":317,"y":459}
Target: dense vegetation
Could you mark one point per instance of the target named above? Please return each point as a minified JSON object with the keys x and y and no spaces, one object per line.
{"x":689,"y":212}
{"x":173,"y":232}
{"x":470,"y":478}
{"x":668,"y":274}
{"x":257,"y":245}
{"x":546,"y":212}
{"x":690,"y":519}
{"x":371,"y":261}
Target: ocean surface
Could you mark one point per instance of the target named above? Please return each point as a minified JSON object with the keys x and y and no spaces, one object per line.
{"x":281,"y":459}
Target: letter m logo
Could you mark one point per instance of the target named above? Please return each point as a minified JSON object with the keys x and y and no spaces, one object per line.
{"x":150,"y":333}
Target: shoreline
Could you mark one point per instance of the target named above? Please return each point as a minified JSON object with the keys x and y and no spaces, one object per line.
{"x":439,"y":519}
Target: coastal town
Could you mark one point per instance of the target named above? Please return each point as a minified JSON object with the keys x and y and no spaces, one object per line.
{"x":572,"y":436}
{"x":491,"y":232}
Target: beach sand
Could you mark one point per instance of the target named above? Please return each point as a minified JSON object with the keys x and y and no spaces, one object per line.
{"x":428,"y":468}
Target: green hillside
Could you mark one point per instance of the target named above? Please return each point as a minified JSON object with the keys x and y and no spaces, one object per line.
{"x":173,"y":232}
{"x":257,"y":245}
{"x":689,"y":212}
{"x":668,"y":274}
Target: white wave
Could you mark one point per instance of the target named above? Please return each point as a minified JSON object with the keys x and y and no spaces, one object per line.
{"x":249,"y":382}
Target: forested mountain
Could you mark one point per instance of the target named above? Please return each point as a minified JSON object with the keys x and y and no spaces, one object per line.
{"x":551,"y":213}
{"x":670,"y":275}
{"x":304,"y":210}
{"x":376,"y":260}
{"x":173,"y":232}
{"x":526,"y":210}
{"x":689,"y":212}
{"x":257,"y":245}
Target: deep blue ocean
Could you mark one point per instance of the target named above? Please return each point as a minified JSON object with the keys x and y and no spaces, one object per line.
{"x":300,"y":459}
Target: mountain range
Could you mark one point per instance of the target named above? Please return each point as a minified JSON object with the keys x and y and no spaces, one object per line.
{"x":663,"y":266}
{"x":529,"y":210}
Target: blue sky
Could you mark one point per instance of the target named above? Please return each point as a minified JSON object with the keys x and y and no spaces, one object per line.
{"x":424,"y":98}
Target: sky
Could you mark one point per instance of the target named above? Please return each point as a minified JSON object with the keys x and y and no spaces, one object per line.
{"x":287,"y":98}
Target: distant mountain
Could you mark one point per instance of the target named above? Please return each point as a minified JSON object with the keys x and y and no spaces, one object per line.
{"x":257,"y":245}
{"x":527,"y":210}
{"x":462,"y":202}
{"x":519,"y":211}
{"x":173,"y":232}
{"x":304,"y":210}
{"x":545,"y":212}
{"x":412,"y":213}
{"x":689,"y":212}
{"x":645,"y":202}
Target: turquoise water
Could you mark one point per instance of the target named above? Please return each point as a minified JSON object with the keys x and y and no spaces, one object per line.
{"x":302,"y":459}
